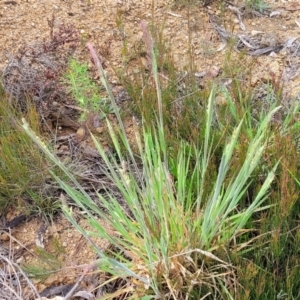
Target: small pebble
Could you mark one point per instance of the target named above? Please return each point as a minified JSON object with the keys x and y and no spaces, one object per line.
{"x":4,"y":237}
{"x":80,"y":133}
{"x":20,"y":260}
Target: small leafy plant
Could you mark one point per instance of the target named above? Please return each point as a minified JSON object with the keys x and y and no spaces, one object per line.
{"x":47,"y":264}
{"x":259,"y":5}
{"x":85,"y":91}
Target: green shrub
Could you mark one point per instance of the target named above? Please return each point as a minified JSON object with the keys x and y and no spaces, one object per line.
{"x":23,"y":168}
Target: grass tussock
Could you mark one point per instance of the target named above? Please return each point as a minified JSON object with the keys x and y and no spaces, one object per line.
{"x":211,"y":191}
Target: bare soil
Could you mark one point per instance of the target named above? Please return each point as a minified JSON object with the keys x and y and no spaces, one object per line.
{"x":107,"y":25}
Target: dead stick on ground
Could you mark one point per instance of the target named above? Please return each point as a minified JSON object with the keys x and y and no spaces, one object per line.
{"x":86,"y":270}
